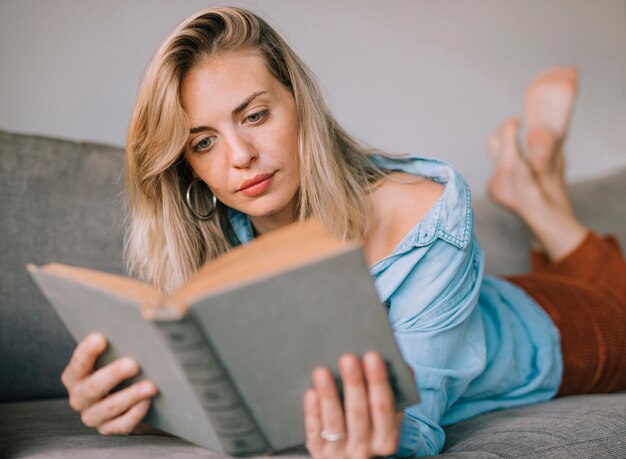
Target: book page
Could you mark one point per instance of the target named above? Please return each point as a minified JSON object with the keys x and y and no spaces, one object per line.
{"x":134,"y":290}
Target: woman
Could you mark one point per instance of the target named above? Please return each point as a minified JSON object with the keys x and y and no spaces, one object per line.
{"x":230,"y":139}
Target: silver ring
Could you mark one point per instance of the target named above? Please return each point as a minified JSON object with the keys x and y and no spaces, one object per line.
{"x":331,"y":436}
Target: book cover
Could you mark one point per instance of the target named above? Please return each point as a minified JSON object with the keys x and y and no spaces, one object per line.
{"x":232,"y":351}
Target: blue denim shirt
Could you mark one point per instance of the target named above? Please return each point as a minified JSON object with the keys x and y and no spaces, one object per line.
{"x":476,"y":343}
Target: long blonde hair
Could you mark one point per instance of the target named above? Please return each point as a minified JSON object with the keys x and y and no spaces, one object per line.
{"x":165,"y":243}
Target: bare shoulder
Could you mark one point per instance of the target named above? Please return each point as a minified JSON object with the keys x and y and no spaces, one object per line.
{"x":402,"y":193}
{"x":400,"y":203}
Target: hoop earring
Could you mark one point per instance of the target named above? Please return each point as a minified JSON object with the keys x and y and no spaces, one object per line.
{"x":189,"y":205}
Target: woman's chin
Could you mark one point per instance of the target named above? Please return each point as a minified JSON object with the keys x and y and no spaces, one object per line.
{"x":268,"y":207}
{"x":257,"y":209}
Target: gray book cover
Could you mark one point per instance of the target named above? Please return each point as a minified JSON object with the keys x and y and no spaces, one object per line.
{"x":260,"y":342}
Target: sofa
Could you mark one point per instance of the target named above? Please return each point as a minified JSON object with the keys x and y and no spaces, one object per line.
{"x":63,"y":201}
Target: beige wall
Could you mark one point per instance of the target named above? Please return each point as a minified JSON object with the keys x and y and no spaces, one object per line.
{"x":427,"y":76}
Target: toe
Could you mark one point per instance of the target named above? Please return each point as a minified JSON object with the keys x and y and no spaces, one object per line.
{"x":510,"y":131}
{"x":545,"y":76}
{"x":554,"y":74}
{"x":499,"y":138}
{"x":493,"y":145}
{"x":571,"y":72}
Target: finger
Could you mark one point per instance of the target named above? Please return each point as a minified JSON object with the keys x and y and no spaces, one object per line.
{"x":101,"y":382}
{"x":118,"y":403}
{"x":312,"y":423}
{"x":356,"y":404}
{"x":83,"y":359}
{"x":330,"y":407}
{"x":128,"y":421}
{"x":385,"y":432}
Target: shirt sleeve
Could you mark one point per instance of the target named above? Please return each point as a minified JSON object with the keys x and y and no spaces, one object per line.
{"x":439,"y":330}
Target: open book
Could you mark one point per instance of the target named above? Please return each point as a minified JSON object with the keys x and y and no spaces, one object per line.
{"x":232,"y":350}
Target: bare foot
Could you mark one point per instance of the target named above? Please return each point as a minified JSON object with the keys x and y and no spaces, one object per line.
{"x":549,"y":103}
{"x":512,"y":183}
{"x":515,"y":186}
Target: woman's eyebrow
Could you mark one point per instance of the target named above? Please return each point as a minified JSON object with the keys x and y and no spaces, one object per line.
{"x":241,"y":107}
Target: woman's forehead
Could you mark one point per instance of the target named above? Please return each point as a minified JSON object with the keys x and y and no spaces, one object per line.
{"x":228,"y":69}
{"x":226,"y":81}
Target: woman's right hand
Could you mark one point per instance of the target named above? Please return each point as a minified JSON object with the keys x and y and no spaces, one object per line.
{"x":89,"y":390}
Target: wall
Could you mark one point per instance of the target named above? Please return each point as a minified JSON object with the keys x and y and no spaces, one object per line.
{"x":429,"y":76}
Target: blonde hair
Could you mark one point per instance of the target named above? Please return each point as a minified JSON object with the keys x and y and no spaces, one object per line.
{"x":165,"y":243}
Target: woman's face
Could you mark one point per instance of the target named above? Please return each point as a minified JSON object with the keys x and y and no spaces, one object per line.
{"x":244,"y":128}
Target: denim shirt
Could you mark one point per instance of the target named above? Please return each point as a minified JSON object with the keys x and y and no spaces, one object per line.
{"x":476,"y":343}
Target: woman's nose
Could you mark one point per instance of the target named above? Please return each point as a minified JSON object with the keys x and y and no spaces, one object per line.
{"x":242,"y":150}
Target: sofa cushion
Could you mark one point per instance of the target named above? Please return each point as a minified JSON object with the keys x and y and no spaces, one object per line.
{"x":581,"y":426}
{"x":60,"y":201}
{"x":571,"y":427}
{"x":50,"y":429}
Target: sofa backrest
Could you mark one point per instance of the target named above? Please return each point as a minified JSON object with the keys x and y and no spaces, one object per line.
{"x":59,"y":201}
{"x":63,"y":201}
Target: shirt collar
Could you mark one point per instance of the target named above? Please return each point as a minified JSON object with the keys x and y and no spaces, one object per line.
{"x":242,"y":226}
{"x":451,"y":216}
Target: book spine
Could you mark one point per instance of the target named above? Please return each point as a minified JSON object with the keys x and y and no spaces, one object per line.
{"x":237,"y":430}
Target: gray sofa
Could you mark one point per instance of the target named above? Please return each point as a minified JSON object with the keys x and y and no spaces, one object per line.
{"x":62,"y":201}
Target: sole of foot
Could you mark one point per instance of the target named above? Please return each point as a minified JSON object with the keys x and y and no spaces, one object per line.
{"x":549,"y":103}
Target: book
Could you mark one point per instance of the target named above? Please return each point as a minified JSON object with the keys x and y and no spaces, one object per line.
{"x":232,"y":350}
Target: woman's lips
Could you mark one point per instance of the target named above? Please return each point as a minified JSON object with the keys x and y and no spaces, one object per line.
{"x":257,"y":185}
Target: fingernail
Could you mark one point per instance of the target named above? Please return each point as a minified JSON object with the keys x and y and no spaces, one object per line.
{"x":348,"y":363}
{"x":317,"y":373}
{"x":372,"y":359}
{"x":147,"y":388}
{"x":129,"y":364}
{"x":320,"y":376}
{"x":96,"y":339}
{"x":310,"y":396}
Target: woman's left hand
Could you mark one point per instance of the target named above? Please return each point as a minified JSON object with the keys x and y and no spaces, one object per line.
{"x":367,"y":426}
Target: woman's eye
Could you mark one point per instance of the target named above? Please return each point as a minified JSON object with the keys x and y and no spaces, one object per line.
{"x":204,"y":144}
{"x":256,"y":117}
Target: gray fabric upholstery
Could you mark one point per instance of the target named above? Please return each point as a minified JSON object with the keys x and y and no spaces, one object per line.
{"x":50,"y":429}
{"x":59,"y":201}
{"x":568,"y":427}
{"x":571,"y":427}
{"x":62,"y":201}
